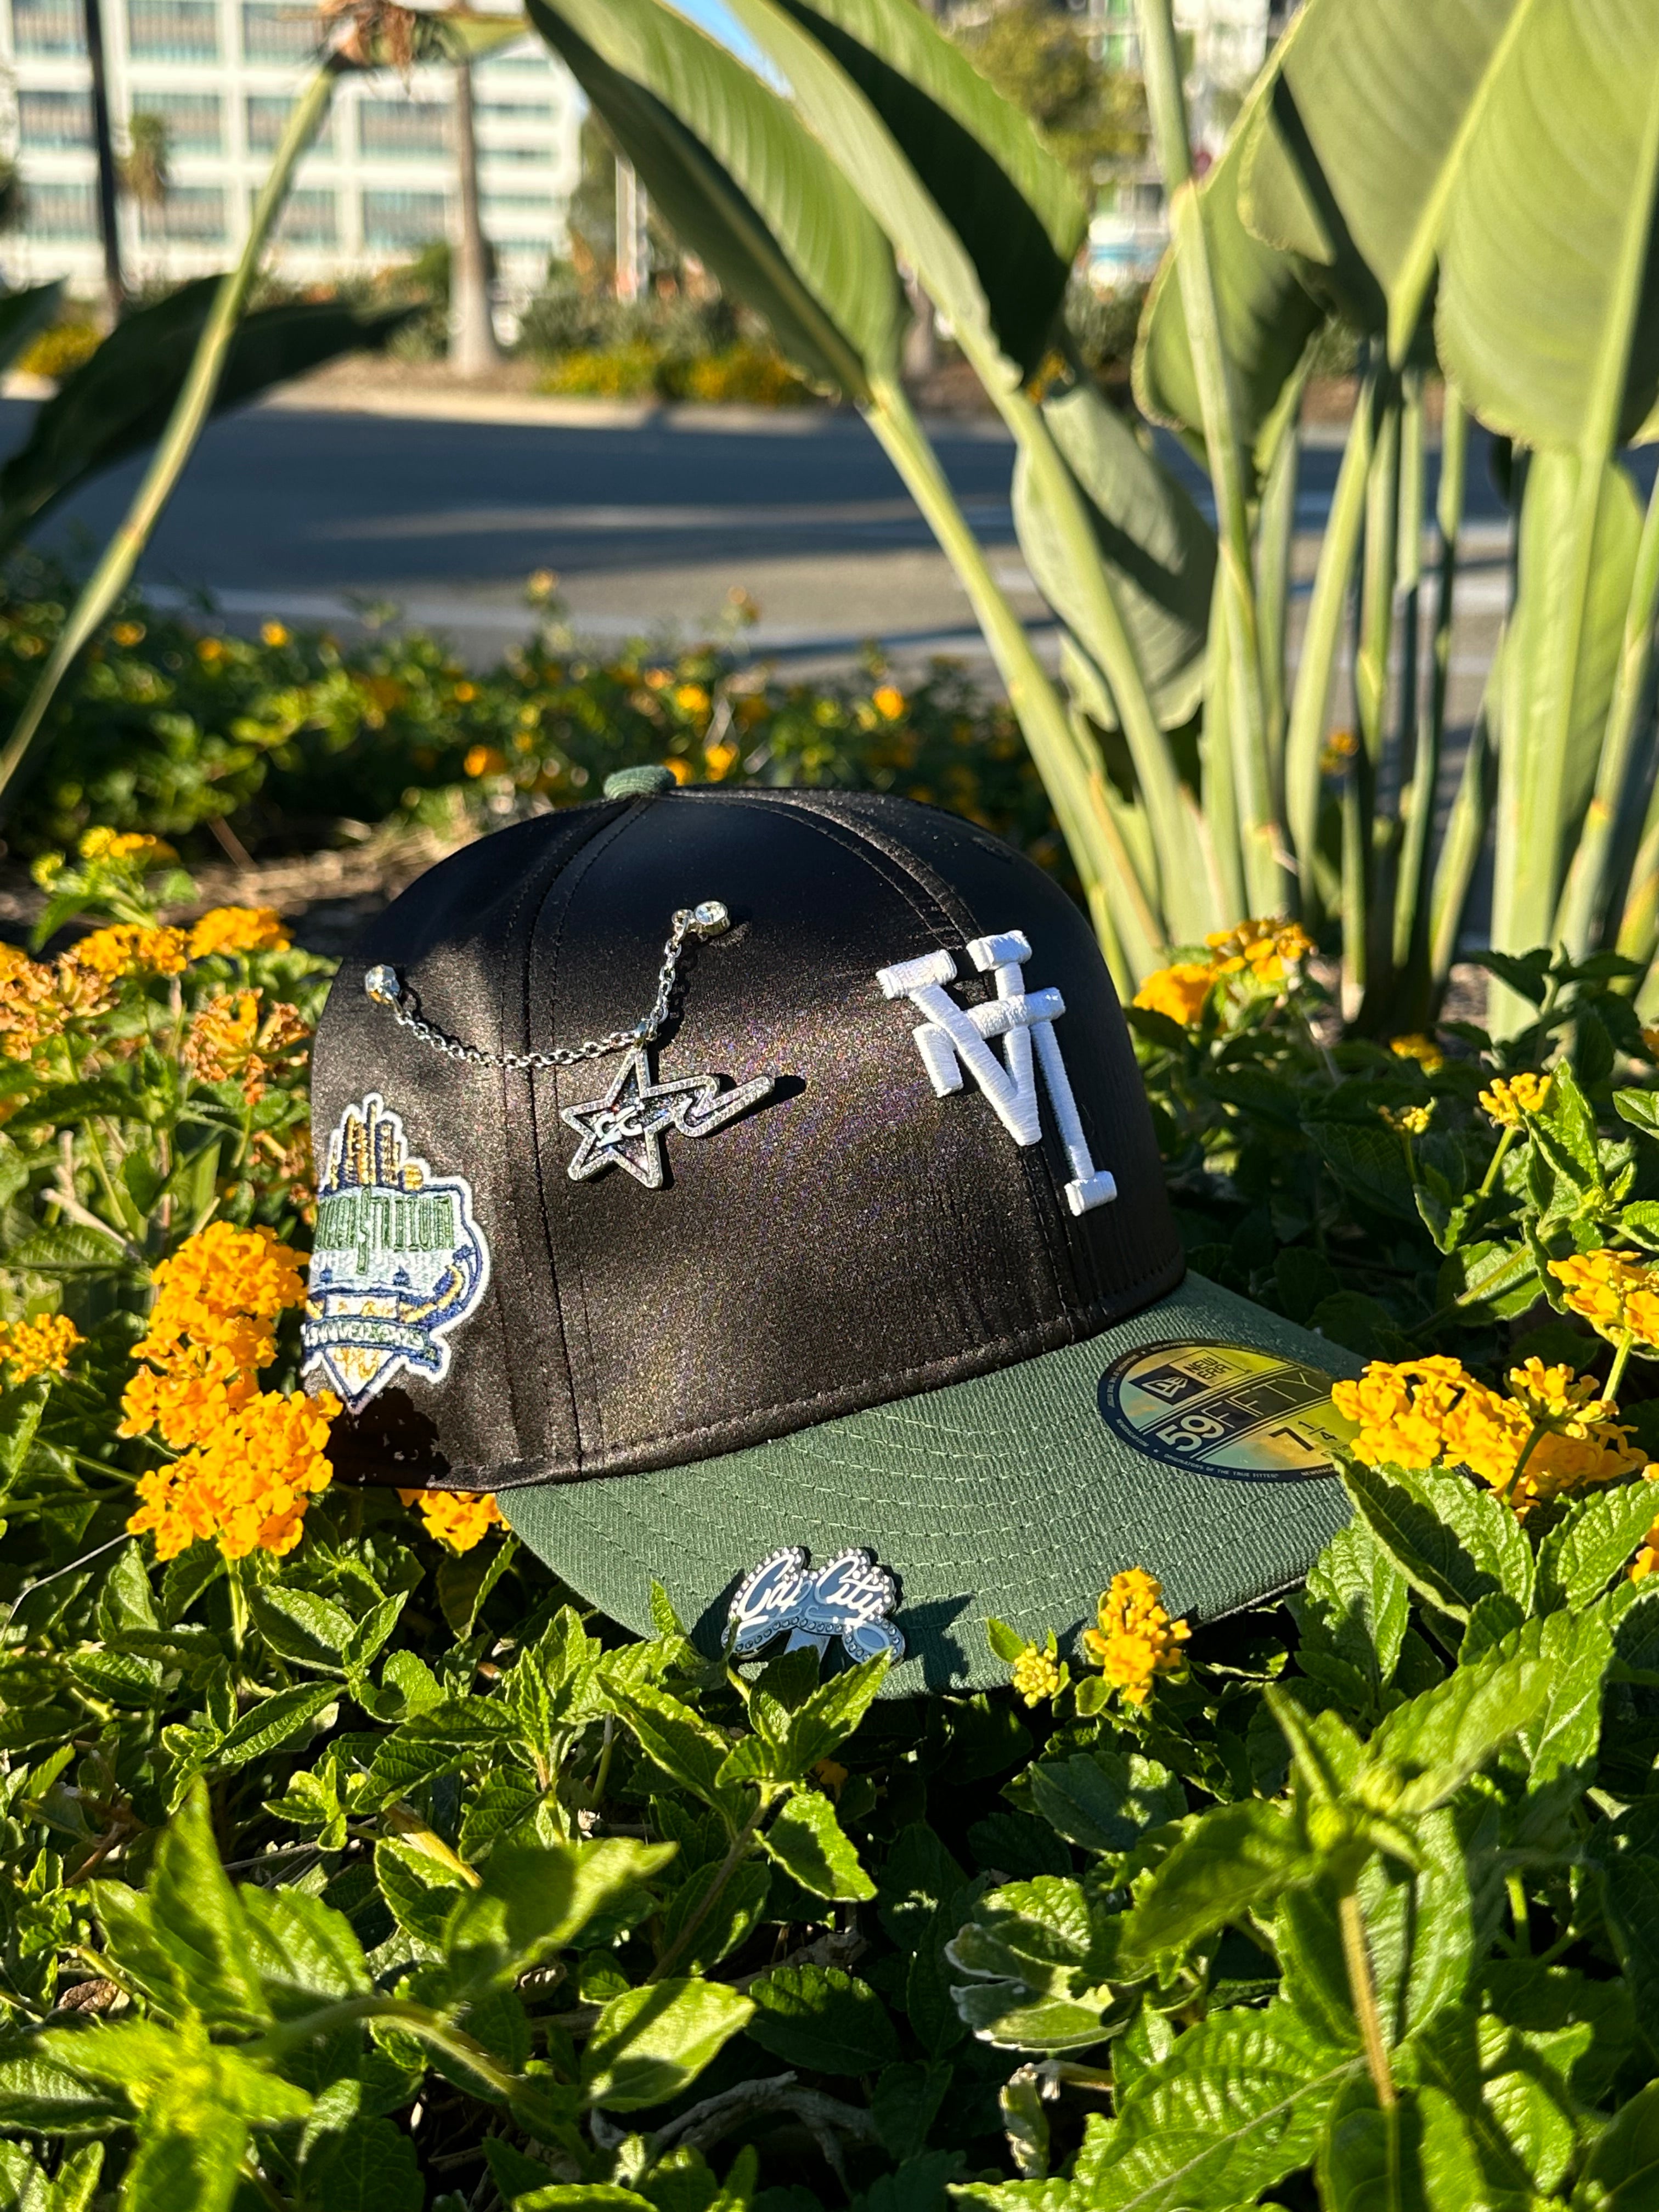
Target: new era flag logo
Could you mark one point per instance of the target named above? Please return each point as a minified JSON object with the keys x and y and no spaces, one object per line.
{"x":953,"y":1038}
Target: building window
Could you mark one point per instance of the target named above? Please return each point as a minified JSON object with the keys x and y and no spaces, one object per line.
{"x":48,"y":27}
{"x":515,"y":110}
{"x":311,"y":218}
{"x":191,"y":215}
{"x":493,"y":153}
{"x":274,"y":32}
{"x":61,"y":211}
{"x":517,"y":207}
{"x":172,"y":30}
{"x":194,"y":122}
{"x":55,"y":119}
{"x":404,"y":219}
{"x":401,"y":130}
{"x":267,"y":113}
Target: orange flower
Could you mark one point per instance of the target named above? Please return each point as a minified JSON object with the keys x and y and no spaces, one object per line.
{"x":247,"y":1485}
{"x":239,"y":929}
{"x":459,"y":1519}
{"x":129,"y":948}
{"x":1180,"y":991}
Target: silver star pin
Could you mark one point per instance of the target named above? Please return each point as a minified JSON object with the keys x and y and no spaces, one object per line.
{"x":625,"y":1128}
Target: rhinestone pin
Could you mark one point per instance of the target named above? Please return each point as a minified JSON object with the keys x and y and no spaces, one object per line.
{"x":382,"y":986}
{"x":709,"y":918}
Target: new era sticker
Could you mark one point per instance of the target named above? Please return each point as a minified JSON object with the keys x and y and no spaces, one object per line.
{"x":399,"y":1262}
{"x":1244,"y":1415}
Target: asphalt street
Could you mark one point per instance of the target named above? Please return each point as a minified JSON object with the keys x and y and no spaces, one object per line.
{"x":323,"y":516}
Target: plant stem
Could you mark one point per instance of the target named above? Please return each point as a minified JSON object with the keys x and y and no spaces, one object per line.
{"x":1363,"y":1990}
{"x":723,"y":1874}
{"x":420,"y":2020}
{"x":1497,"y":1162}
{"x":1616,"y":1372}
{"x":190,"y":413}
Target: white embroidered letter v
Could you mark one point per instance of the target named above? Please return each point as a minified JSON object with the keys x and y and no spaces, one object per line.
{"x":953,"y":1037}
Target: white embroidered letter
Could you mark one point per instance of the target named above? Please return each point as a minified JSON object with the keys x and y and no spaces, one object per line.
{"x":953,"y":1038}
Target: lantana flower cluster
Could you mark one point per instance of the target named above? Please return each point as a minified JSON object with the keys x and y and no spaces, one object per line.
{"x":457,"y":1518}
{"x":1618,"y":1296}
{"x":1135,"y":1640}
{"x":42,"y":1347}
{"x":1261,"y":951}
{"x":250,"y":1460}
{"x":1551,"y":1435}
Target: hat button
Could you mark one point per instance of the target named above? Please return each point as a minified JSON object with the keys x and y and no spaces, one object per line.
{"x":649,"y":781}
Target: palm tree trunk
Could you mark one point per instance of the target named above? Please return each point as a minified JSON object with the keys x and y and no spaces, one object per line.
{"x":472,"y":347}
{"x":108,"y":216}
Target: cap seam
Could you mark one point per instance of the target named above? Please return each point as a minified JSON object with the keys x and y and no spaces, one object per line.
{"x":588,"y":852}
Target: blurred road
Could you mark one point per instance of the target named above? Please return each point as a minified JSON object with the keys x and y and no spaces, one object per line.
{"x":315,"y":516}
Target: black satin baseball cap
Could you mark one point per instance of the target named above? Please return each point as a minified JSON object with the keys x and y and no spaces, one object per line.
{"x":843,"y":1296}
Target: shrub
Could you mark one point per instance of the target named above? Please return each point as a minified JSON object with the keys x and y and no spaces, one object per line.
{"x":172,"y":725}
{"x":348,"y":1861}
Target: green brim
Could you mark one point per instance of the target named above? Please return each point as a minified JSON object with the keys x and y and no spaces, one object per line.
{"x":1017,"y":1495}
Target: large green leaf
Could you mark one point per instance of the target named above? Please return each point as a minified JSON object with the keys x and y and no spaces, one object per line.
{"x":1158,"y":548}
{"x":1268,"y":314}
{"x":119,"y":401}
{"x":1353,"y":160}
{"x":1010,"y":201}
{"x":1548,"y":316}
{"x":1580,"y":526}
{"x":748,"y":189}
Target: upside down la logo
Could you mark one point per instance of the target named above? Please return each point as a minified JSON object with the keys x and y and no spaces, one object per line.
{"x":399,"y":1260}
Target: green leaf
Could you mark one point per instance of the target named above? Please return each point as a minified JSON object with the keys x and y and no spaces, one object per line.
{"x":273,"y":1721}
{"x":419,"y":1890}
{"x":1104,"y":1801}
{"x":808,"y":1842}
{"x":649,"y":2044}
{"x":1368,"y":2160}
{"x":824,"y":1720}
{"x":532,"y":1901}
{"x":372,"y":2166}
{"x":47,"y":2099}
{"x":582,"y":2197}
{"x":196,"y":2164}
{"x":823,"y":2019}
{"x":304,"y":1952}
{"x":23,"y":313}
{"x":1266,"y":312}
{"x":1626,"y":1850}
{"x":753,"y":193}
{"x":1450,"y":1733}
{"x":301,"y":1626}
{"x":1596,"y":1538}
{"x":1232,"y":1861}
{"x":1240,"y":2102}
{"x":974,"y":155}
{"x":1040,"y":1963}
{"x":118,"y":402}
{"x":679,"y":1741}
{"x":717,"y":1928}
{"x":1157,"y":547}
{"x":1621,"y":2173}
{"x":1453,"y":1542}
{"x":193,"y":1918}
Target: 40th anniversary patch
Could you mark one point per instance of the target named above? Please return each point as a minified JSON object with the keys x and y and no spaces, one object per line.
{"x":1244,"y":1415}
{"x":398,"y":1263}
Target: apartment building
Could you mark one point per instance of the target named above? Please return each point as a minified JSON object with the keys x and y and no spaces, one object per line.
{"x":378,"y":185}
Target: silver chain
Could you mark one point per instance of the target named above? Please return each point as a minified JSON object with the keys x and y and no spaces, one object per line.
{"x":384,"y":987}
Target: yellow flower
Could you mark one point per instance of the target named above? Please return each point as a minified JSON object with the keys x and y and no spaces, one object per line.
{"x":124,"y":845}
{"x":1409,"y":1120}
{"x":459,"y":1519}
{"x":1036,"y":1676}
{"x":1136,"y":1640}
{"x":1651,"y":1039}
{"x":1260,"y":948}
{"x":1423,"y":1049}
{"x":230,"y":1040}
{"x":38,"y":1347}
{"x":484,"y":760}
{"x":691,"y":699}
{"x":239,"y":929}
{"x":465,"y":694}
{"x":680,"y":769}
{"x":46,"y":870}
{"x":888,"y":700}
{"x":1508,"y":1100}
{"x":1617,"y":1296}
{"x":210,"y":650}
{"x":223,"y":1288}
{"x":274,"y":633}
{"x":38,"y":999}
{"x":128,"y":633}
{"x":130,"y":948}
{"x":247,"y":1484}
{"x":541,"y":584}
{"x":1179,"y":991}
{"x":1339,"y":749}
{"x":1551,"y":1436}
{"x":722,"y":759}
